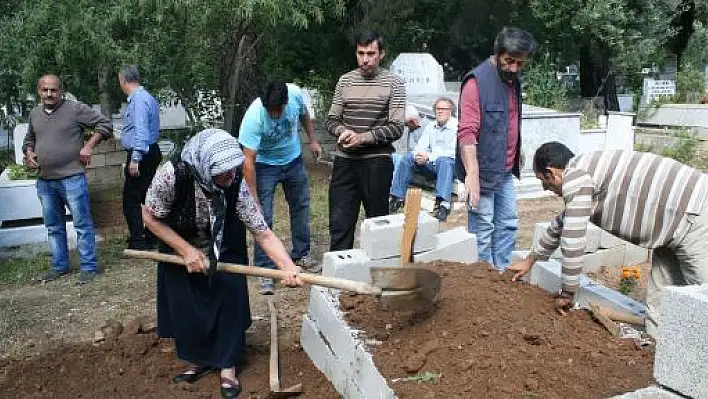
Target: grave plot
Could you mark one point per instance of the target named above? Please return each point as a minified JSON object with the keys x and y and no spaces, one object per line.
{"x":490,"y":337}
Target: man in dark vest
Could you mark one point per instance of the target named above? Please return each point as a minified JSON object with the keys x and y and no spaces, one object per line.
{"x":489,"y":141}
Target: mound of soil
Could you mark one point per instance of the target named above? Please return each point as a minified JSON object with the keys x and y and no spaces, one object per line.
{"x":141,"y":366}
{"x":490,"y":337}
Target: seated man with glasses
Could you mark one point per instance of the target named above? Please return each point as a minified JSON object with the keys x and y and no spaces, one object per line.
{"x":433,"y":156}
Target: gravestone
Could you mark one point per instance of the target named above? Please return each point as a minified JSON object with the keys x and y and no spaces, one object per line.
{"x":421,"y":72}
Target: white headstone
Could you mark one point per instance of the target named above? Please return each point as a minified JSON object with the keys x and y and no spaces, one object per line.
{"x":19,"y":138}
{"x":422,"y":73}
{"x":654,"y":89}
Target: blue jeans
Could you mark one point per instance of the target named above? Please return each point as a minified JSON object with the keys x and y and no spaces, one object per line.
{"x":296,"y":187}
{"x":73,"y":193}
{"x":442,"y":171}
{"x":495,"y":223}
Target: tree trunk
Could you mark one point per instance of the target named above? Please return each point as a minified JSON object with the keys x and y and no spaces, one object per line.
{"x":588,"y":83}
{"x":233,"y":82}
{"x":683,"y":25}
{"x":103,"y":91}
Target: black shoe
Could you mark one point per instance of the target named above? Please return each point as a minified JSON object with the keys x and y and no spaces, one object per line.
{"x":52,"y":275}
{"x":394,"y":204}
{"x":230,"y":388}
{"x":442,"y":213}
{"x":193,"y":374}
{"x":85,"y":277}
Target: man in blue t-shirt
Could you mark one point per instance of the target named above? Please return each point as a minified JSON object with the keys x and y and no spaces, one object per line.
{"x":271,"y":144}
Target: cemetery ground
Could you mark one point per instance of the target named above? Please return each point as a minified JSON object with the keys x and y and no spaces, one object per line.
{"x":47,"y":331}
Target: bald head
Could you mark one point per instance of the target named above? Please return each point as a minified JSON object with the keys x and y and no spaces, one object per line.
{"x":49,"y":90}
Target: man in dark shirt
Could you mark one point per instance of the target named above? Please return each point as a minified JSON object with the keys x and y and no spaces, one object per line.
{"x":55,"y":144}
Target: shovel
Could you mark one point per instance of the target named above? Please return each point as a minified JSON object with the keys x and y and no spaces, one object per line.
{"x":396,"y":287}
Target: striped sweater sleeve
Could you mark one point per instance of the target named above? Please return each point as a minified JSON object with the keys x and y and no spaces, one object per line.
{"x":578,"y":189}
{"x":334,"y":123}
{"x":550,"y":238}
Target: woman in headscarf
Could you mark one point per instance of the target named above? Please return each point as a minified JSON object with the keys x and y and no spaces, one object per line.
{"x":197,"y":204}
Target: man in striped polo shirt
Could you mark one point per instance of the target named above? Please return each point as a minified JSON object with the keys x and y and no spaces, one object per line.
{"x":366,"y":116}
{"x":646,"y":199}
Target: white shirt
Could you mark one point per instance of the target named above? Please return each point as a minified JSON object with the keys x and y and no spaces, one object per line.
{"x":438,"y":141}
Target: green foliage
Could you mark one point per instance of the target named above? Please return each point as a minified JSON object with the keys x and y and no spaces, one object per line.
{"x":541,"y":85}
{"x":684,"y":149}
{"x":425,"y":377}
{"x":21,"y":172}
{"x":690,"y":85}
{"x":641,"y":147}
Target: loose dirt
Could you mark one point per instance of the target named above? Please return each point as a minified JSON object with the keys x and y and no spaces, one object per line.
{"x":490,"y":337}
{"x":141,"y":366}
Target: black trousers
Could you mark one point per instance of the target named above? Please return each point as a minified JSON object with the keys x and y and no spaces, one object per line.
{"x":134,"y":191}
{"x":355,"y":182}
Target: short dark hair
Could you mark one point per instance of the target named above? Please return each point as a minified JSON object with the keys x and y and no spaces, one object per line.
{"x":515,"y":42}
{"x":368,"y":37}
{"x":275,"y":94}
{"x":130,"y":73}
{"x":552,"y":154}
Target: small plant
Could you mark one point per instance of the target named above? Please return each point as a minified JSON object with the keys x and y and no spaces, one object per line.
{"x":641,"y":147}
{"x":21,"y":172}
{"x":685,"y":149}
{"x":542,"y":86}
{"x":425,"y":377}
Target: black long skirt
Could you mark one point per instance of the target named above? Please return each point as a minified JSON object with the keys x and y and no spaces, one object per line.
{"x":207,"y":316}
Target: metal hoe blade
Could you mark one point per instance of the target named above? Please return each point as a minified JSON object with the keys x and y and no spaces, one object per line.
{"x":406,"y":288}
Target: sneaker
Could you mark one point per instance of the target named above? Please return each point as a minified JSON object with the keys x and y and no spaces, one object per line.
{"x":394,"y":204}
{"x":309,"y":264}
{"x":266,"y":286}
{"x":85,"y":277}
{"x":52,"y":275}
{"x":442,"y":212}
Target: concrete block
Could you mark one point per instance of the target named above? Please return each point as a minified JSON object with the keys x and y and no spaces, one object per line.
{"x":350,"y":264}
{"x":634,"y":255}
{"x":108,"y":175}
{"x":15,"y":236}
{"x":97,"y":160}
{"x":546,"y":275}
{"x":592,"y":291}
{"x":608,"y":240}
{"x":342,"y":342}
{"x":611,"y":257}
{"x":649,"y":393}
{"x":115,"y":157}
{"x":318,"y":349}
{"x":681,"y":359}
{"x":353,"y":264}
{"x":455,"y":245}
{"x":381,"y":236}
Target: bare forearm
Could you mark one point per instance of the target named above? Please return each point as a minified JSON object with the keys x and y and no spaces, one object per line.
{"x":249,"y":174}
{"x":94,"y":140}
{"x":274,"y":248}
{"x":309,"y":126}
{"x":469,"y":159}
{"x":165,"y":233}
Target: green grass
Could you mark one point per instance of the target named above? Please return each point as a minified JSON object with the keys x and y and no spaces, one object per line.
{"x":17,"y":271}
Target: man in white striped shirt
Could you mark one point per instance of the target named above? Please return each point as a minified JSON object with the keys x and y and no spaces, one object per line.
{"x":646,"y":199}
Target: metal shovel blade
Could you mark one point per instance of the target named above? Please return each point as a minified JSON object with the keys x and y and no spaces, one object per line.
{"x":406,"y":287}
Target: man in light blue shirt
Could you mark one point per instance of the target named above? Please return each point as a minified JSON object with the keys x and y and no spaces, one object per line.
{"x":141,"y":130}
{"x":434,"y":156}
{"x":270,"y":138}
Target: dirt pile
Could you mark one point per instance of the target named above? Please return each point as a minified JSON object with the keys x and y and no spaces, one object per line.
{"x":489,"y":337}
{"x":128,"y":362}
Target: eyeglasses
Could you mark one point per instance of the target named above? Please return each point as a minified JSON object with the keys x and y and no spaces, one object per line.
{"x":443,"y":109}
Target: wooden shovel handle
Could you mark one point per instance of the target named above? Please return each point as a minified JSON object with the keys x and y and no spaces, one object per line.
{"x":311,"y":279}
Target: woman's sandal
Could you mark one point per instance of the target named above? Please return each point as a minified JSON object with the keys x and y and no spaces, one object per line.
{"x":232,"y":388}
{"x":193,"y":374}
